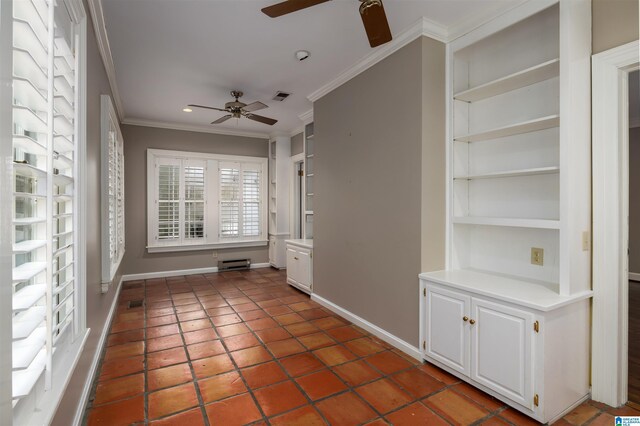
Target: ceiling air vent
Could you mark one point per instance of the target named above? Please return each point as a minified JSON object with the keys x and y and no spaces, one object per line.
{"x":281,"y":96}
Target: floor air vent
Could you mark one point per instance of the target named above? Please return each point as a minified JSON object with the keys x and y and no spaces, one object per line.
{"x":234,"y":265}
{"x":135,"y":303}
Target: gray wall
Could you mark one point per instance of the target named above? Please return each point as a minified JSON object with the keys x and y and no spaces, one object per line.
{"x":614,"y":22}
{"x":297,"y":144}
{"x":98,"y":304}
{"x":368,"y":245}
{"x":137,"y":140}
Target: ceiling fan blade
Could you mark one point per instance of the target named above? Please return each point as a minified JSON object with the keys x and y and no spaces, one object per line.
{"x":375,"y":23}
{"x":289,"y":6}
{"x":254,"y":106}
{"x":207,"y":107}
{"x":222,"y":119}
{"x":261,"y":119}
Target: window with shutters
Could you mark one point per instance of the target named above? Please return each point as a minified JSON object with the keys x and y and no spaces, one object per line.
{"x":44,"y":299}
{"x":199,"y":201}
{"x":112,"y":192}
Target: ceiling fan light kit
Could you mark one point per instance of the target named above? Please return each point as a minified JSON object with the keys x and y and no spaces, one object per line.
{"x":372,"y":13}
{"x":237,"y":109}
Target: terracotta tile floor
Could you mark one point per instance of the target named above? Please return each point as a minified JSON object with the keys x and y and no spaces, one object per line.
{"x":245,"y":348}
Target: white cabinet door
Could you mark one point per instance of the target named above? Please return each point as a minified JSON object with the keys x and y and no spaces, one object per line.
{"x":304,"y":268}
{"x":501,"y":350}
{"x":292,"y":264}
{"x":447,"y":331}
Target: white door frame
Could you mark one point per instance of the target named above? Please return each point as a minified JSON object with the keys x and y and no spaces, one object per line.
{"x":292,"y":196}
{"x":610,"y":161}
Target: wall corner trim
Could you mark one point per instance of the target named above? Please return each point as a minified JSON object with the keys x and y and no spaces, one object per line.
{"x":371,"y":328}
{"x":84,"y":397}
{"x":97,"y":16}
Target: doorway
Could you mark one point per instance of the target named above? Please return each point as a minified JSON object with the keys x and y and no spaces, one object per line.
{"x":297,"y":196}
{"x":634,"y":239}
{"x":610,"y":181}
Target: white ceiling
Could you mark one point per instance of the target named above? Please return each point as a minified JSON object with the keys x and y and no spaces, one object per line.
{"x":169,"y":53}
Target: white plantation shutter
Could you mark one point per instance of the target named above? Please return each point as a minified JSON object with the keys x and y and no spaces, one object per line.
{"x":168,"y":200}
{"x":251,"y":200}
{"x":199,"y":200}
{"x":44,"y":192}
{"x":229,"y":200}
{"x":112,"y":192}
{"x":193,"y":200}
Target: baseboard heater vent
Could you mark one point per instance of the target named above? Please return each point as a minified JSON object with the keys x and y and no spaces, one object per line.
{"x":234,"y":265}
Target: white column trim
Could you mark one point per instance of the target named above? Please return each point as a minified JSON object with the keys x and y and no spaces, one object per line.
{"x":610,"y":222}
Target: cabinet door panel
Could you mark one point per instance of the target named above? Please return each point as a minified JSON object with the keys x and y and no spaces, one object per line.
{"x":292,"y":264}
{"x":501,"y":350}
{"x":447,"y":334}
{"x":304,"y":267}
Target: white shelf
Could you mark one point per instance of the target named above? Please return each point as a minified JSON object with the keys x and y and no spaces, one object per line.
{"x":511,"y":82}
{"x":26,"y":322}
{"x":28,"y":246}
{"x":540,"y":295}
{"x":514,"y":129}
{"x":23,"y":169}
{"x":28,"y":296}
{"x":28,"y":270}
{"x":512,"y":173}
{"x":26,"y":350}
{"x":28,"y":119}
{"x":24,"y":380}
{"x":508,"y":222}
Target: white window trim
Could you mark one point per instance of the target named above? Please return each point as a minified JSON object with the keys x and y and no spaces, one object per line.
{"x":212,"y":239}
{"x":108,"y":119}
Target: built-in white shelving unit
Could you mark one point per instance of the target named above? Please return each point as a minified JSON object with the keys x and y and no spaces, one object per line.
{"x":517,"y":279}
{"x":279,"y":154}
{"x":309,"y":174}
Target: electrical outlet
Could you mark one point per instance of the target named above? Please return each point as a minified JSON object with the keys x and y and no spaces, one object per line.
{"x":537,"y":256}
{"x":586,"y":244}
{"x":215,"y":254}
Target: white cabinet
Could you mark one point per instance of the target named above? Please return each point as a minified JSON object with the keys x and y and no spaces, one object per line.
{"x":300,"y":264}
{"x":525,"y":347}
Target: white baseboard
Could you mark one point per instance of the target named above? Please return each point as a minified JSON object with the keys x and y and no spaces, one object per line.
{"x":164,"y":274}
{"x":634,"y":276}
{"x":96,"y":358}
{"x":371,"y":328}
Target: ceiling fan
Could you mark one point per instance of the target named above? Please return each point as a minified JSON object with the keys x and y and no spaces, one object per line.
{"x":237,"y":109}
{"x":372,"y":13}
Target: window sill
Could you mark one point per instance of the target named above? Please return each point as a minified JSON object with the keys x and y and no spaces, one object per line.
{"x":211,"y":246}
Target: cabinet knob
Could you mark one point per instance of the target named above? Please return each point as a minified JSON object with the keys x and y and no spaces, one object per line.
{"x":472,"y":321}
{"x":465,"y":318}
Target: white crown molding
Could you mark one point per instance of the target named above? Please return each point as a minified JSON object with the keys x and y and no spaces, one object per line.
{"x":192,"y":128}
{"x":97,"y":16}
{"x":477,"y":20}
{"x":306,"y":117}
{"x":423,"y":27}
{"x":296,"y":131}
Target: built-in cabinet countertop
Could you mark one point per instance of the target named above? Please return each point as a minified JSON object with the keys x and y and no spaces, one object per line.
{"x":304,"y":242}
